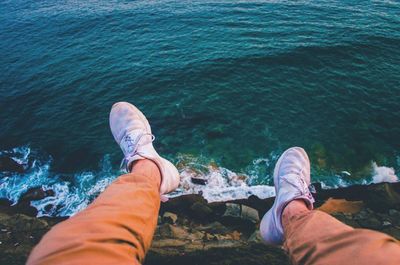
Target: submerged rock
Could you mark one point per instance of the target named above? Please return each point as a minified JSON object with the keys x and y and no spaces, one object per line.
{"x":35,"y":194}
{"x":7,"y":164}
{"x":199,"y":181}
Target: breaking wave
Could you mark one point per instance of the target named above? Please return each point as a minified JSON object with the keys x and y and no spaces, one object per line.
{"x":72,"y":194}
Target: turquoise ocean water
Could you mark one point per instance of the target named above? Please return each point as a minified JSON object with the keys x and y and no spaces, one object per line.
{"x":227,"y":86}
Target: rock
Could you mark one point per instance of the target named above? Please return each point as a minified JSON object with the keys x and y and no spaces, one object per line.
{"x":18,"y":234}
{"x":170,"y":231}
{"x":232,"y":217}
{"x":35,"y":194}
{"x":392,"y":231}
{"x":214,"y":228}
{"x":235,"y":235}
{"x":7,"y":164}
{"x":204,"y":233}
{"x":250,"y":214}
{"x":26,"y":208}
{"x":169,"y":217}
{"x":241,"y":211}
{"x":218,"y":208}
{"x":199,"y":181}
{"x":48,"y":207}
{"x":217,"y":253}
{"x":347,"y":219}
{"x":5,"y":205}
{"x":383,"y":197}
{"x":192,"y":247}
{"x":232,"y":210}
{"x":22,"y":223}
{"x":348,"y":216}
{"x":255,"y":237}
{"x":394,"y":216}
{"x":222,"y":244}
{"x":362,"y":215}
{"x":181,"y":205}
{"x":209,"y":237}
{"x":196,"y":235}
{"x":201,"y":211}
{"x":20,"y":208}
{"x":165,"y":243}
{"x":371,"y":223}
{"x":341,"y":206}
{"x":220,"y":237}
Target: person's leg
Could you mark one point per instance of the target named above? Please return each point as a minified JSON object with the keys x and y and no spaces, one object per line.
{"x":117,"y":228}
{"x":314,"y":237}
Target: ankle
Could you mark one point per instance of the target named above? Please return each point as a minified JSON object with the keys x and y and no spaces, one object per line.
{"x":145,"y":167}
{"x":295,"y":207}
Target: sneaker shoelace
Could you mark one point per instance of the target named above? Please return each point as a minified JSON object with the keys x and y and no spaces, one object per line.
{"x":133,"y":145}
{"x":301,"y":185}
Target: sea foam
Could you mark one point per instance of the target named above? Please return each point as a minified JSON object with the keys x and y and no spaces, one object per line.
{"x":75,"y":192}
{"x":383,"y":174}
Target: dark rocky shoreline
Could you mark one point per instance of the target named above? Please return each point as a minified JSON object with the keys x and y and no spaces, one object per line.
{"x":190,"y":230}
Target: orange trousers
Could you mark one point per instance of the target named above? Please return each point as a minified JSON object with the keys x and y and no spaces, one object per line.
{"x":117,"y":228}
{"x":315,"y":237}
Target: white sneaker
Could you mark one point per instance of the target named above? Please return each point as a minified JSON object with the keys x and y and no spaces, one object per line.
{"x":132,"y":132}
{"x":291,"y":180}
